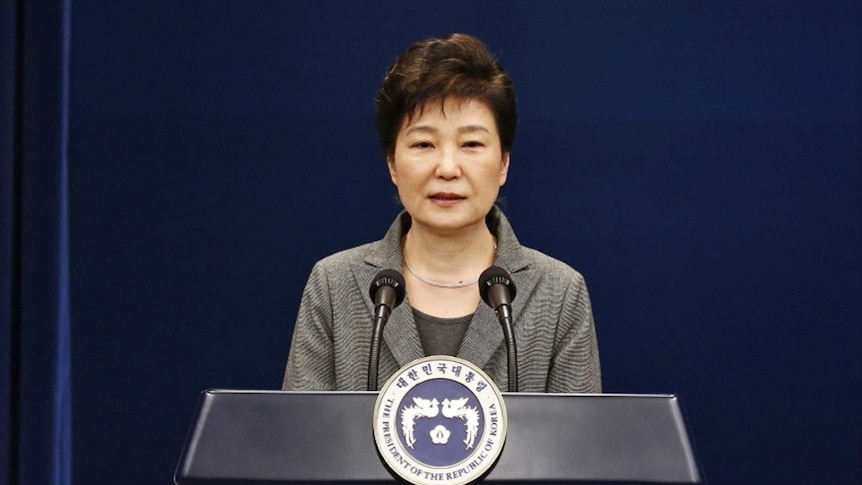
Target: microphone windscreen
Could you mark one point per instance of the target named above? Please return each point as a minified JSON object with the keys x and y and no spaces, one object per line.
{"x":392,"y":279}
{"x":495,"y":275}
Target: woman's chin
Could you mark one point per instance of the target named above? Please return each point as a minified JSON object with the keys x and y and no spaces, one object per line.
{"x":448,"y":224}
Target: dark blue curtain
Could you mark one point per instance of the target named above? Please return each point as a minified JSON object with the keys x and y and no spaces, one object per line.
{"x":35,"y":357}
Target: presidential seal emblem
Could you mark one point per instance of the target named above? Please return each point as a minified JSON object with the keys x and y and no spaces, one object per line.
{"x":440,"y":421}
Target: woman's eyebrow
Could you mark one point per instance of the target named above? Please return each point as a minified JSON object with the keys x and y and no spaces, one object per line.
{"x":432,"y":130}
{"x":473,"y":128}
{"x":421,"y":129}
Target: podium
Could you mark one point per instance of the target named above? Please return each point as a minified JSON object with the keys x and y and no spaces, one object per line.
{"x":275,"y":437}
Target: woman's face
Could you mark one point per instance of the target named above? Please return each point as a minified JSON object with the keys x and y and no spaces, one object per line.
{"x":449,"y":166}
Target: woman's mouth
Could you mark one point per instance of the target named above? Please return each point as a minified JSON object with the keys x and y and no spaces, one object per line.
{"x":446,"y":198}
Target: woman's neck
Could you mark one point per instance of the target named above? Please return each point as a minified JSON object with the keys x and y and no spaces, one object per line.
{"x":449,"y":257}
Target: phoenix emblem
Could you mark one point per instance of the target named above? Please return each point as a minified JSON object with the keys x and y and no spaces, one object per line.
{"x":422,"y":408}
{"x":430,"y":408}
{"x":457,"y":408}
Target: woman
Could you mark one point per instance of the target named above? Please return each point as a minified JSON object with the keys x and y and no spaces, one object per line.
{"x":446,"y":116}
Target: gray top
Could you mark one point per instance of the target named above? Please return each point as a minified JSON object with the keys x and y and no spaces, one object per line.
{"x":441,"y":336}
{"x":553,"y":321}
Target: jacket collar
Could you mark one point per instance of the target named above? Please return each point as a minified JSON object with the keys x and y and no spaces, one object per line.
{"x":484,"y":335}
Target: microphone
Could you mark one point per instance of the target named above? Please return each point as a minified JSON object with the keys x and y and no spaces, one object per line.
{"x":498,"y":290}
{"x":387,"y":292}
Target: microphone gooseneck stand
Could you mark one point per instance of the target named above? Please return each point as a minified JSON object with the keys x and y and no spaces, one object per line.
{"x":498,"y":290}
{"x":380,"y":318}
{"x":387,"y":292}
{"x":505,"y":315}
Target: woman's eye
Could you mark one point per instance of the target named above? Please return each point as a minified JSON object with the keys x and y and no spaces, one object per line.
{"x":473,"y":144}
{"x":422,"y":144}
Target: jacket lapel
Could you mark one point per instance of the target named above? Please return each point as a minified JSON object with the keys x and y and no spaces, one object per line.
{"x":485,"y":334}
{"x":400,"y":334}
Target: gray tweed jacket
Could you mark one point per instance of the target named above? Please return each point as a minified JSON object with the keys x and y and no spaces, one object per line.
{"x":553,"y":322}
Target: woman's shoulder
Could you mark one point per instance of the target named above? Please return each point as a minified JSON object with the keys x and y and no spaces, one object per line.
{"x":346,"y":257}
{"x":550,"y":267}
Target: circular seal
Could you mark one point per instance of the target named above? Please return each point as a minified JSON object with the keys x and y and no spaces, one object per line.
{"x":440,"y":421}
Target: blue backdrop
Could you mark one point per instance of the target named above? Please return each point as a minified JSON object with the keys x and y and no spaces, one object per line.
{"x":698,"y":162}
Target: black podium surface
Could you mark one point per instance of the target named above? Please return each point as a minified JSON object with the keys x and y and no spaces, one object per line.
{"x":272,"y":437}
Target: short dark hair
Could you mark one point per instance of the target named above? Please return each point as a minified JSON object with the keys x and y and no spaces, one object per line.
{"x":457,"y":66}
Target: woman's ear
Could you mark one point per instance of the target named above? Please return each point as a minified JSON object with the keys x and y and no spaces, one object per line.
{"x":504,"y":168}
{"x":391,"y":166}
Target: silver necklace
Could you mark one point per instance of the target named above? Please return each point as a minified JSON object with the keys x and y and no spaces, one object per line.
{"x":438,"y":284}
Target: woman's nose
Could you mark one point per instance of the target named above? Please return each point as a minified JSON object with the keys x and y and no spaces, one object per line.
{"x":448,"y":166}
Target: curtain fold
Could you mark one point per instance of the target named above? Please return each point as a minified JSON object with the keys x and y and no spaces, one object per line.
{"x":35,"y":322}
{"x":7,"y":149}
